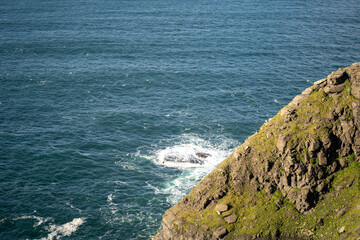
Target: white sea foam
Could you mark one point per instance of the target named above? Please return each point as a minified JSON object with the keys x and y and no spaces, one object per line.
{"x":39,"y":220}
{"x":156,"y":189}
{"x":58,"y":231}
{"x":182,"y":155}
{"x":110,"y":199}
{"x":72,"y":206}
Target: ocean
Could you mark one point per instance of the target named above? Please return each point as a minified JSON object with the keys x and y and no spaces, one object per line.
{"x":105,"y":106}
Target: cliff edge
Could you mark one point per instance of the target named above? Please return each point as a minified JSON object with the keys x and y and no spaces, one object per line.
{"x":298,"y":177}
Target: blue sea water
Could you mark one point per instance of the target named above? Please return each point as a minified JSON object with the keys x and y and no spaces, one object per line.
{"x":94,"y":94}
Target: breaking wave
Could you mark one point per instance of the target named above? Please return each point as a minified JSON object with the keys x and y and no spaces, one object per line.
{"x":194,"y":157}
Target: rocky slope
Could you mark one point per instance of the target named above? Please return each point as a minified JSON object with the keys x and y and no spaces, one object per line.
{"x":298,"y":177}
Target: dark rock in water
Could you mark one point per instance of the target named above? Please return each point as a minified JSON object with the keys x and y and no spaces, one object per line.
{"x":182,"y":159}
{"x":202,"y":154}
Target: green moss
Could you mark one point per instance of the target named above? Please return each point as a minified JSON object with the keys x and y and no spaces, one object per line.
{"x":259,"y":214}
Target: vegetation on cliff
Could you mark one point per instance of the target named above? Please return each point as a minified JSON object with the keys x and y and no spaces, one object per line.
{"x":297,"y":177}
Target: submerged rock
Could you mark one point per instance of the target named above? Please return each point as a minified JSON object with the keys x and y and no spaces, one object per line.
{"x":183,"y":159}
{"x":202,"y":155}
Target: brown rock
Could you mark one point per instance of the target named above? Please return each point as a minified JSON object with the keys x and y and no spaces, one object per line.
{"x":356,"y":111}
{"x":221,"y":208}
{"x":341,"y":213}
{"x":339,"y":110}
{"x":341,"y":230}
{"x":307,"y":91}
{"x":314,"y":145}
{"x":326,"y":142}
{"x":354,"y":73}
{"x":331,"y":116}
{"x":337,"y":77}
{"x":296,"y":101}
{"x":282,"y":142}
{"x":231,"y":218}
{"x":322,"y":159}
{"x":321,"y":187}
{"x":329,"y":89}
{"x":342,"y":162}
{"x":221,"y":232}
{"x":333,"y":167}
{"x":355,"y":89}
{"x":320,"y":82}
{"x":288,"y":164}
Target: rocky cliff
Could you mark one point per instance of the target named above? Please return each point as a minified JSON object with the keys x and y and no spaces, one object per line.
{"x":298,"y":177}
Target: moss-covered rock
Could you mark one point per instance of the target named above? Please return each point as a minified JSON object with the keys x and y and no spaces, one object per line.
{"x":298,"y":177}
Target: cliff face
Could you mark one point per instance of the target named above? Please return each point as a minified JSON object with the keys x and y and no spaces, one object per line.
{"x":297,"y":177}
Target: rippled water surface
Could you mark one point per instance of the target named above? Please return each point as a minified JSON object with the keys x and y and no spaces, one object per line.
{"x":95,"y":94}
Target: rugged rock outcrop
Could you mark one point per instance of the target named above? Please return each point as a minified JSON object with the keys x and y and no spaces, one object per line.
{"x":298,"y":177}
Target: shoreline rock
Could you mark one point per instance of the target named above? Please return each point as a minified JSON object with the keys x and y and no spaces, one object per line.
{"x":301,"y":165}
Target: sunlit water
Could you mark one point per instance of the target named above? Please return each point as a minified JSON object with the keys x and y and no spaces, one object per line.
{"x":95,"y":94}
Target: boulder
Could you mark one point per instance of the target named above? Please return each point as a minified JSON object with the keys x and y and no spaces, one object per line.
{"x":341,"y":230}
{"x":231,"y":218}
{"x":330,"y":89}
{"x":221,"y":232}
{"x":337,"y":77}
{"x":221,"y":208}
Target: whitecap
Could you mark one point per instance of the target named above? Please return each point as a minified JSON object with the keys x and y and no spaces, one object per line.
{"x":156,"y":189}
{"x":58,"y":231}
{"x":72,"y":206}
{"x":39,"y":220}
{"x":110,"y":199}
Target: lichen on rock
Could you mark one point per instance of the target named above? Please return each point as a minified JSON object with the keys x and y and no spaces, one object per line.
{"x":297,"y":177}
